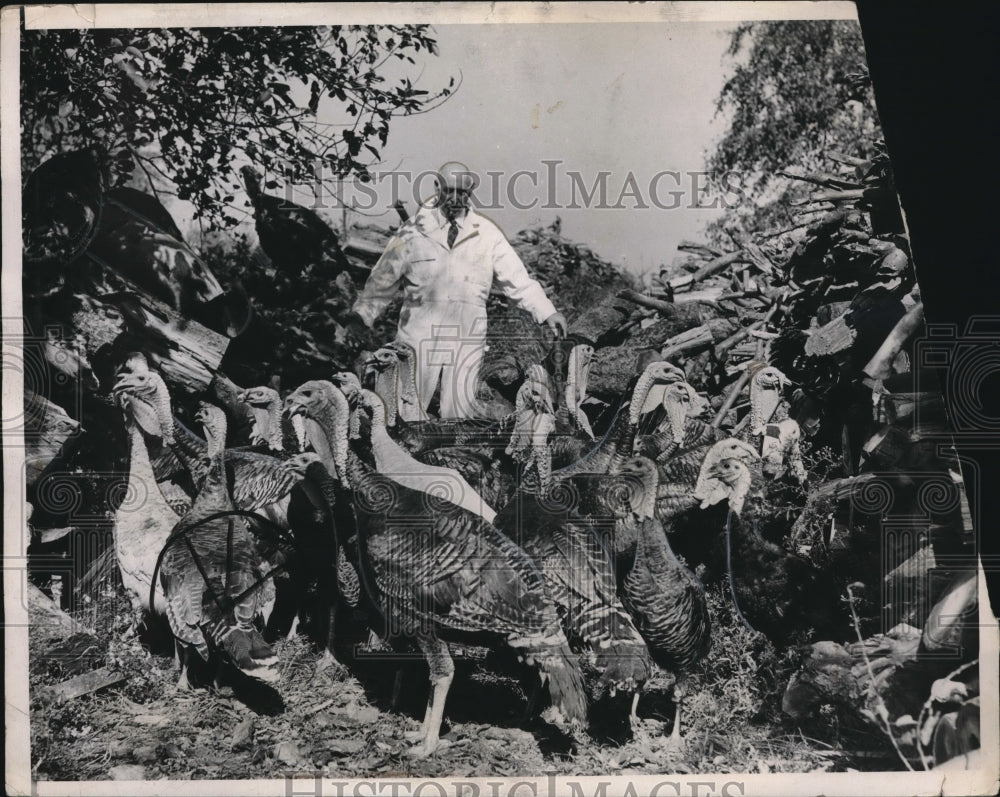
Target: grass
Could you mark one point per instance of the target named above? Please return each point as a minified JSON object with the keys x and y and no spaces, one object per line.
{"x":340,"y":721}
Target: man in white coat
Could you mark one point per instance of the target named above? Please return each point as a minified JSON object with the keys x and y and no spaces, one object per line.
{"x":445,"y":259}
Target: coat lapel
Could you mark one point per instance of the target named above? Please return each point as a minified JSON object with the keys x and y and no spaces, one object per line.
{"x":432,"y":226}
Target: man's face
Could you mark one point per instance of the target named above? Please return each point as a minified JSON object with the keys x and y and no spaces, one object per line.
{"x":453,"y":202}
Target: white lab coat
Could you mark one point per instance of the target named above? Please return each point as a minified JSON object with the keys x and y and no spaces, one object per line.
{"x":444,"y":300}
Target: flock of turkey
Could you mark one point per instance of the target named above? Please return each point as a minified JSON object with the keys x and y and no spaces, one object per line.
{"x":528,"y":532}
{"x":576,"y":536}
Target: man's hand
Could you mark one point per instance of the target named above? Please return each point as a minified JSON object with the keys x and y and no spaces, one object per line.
{"x":557,"y":323}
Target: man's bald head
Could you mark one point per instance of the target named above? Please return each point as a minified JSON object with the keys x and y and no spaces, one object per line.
{"x":456,"y":176}
{"x":455,"y":184}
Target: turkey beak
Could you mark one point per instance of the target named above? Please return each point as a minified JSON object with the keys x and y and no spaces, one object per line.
{"x":293,"y":407}
{"x":714,"y":472}
{"x":243,"y":395}
{"x":125,"y":382}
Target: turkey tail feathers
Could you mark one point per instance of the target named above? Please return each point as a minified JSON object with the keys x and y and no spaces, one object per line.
{"x":561,"y":672}
{"x":625,"y":666}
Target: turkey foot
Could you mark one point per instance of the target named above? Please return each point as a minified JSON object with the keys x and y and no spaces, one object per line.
{"x":442,"y":673}
{"x":421,"y":751}
{"x":633,"y":718}
{"x":181,"y":657}
{"x":675,"y":741}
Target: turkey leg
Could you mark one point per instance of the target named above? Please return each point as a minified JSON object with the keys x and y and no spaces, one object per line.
{"x":675,"y":739}
{"x":442,"y":672}
{"x":181,"y":651}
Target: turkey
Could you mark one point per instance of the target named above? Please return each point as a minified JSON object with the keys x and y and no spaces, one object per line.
{"x":565,"y":372}
{"x":776,"y":592}
{"x":617,"y":443}
{"x":664,"y":598}
{"x":270,"y":428}
{"x":144,"y":519}
{"x":62,"y":201}
{"x":391,"y":370}
{"x":259,"y":481}
{"x":309,"y":468}
{"x":781,"y":452}
{"x":769,"y":429}
{"x":489,"y":473}
{"x":260,"y":484}
{"x":441,"y":572}
{"x":392,"y":460}
{"x":292,"y":236}
{"x":577,"y":374}
{"x":766,"y":403}
{"x":680,"y":431}
{"x":681,"y":473}
{"x":687,"y":512}
{"x":533,"y":426}
{"x":213,"y":580}
{"x":542,"y":520}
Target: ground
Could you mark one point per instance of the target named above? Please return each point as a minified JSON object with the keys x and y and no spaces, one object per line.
{"x":339,"y":721}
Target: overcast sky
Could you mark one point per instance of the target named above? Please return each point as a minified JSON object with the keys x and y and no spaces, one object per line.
{"x":630,"y":100}
{"x":621,"y":98}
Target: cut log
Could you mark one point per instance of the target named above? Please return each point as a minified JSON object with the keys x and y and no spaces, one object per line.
{"x":698,"y":249}
{"x":847,"y":160}
{"x":85,"y":684}
{"x":647,"y":301}
{"x":830,"y":338}
{"x":697,"y":338}
{"x":710,"y":268}
{"x":880,"y":366}
{"x":731,"y":397}
{"x":186,"y":353}
{"x":822,"y":179}
{"x":830,"y":196}
{"x":367,"y":251}
{"x":736,"y":337}
{"x":758,"y":258}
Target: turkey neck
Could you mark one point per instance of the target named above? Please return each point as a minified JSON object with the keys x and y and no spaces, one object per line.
{"x":275,"y":436}
{"x":610,"y":453}
{"x":653,"y":550}
{"x":140,"y":468}
{"x":332,"y":448}
{"x":191,"y":450}
{"x":408,"y":382}
{"x":213,"y":495}
{"x":387,"y":387}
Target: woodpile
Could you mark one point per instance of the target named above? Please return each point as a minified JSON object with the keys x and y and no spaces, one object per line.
{"x":831,"y":302}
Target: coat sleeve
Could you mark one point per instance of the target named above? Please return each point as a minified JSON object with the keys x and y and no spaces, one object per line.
{"x":383,"y":282}
{"x":513,"y":279}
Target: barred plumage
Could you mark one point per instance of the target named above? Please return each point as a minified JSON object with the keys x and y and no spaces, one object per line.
{"x":664,"y":598}
{"x":206,"y":566}
{"x":438,"y":571}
